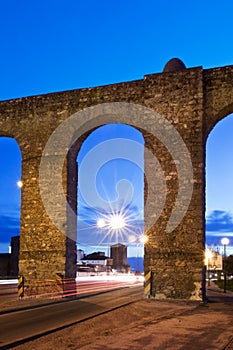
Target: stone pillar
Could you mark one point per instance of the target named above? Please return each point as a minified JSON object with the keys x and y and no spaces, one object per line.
{"x":44,"y":249}
{"x":176,"y":257}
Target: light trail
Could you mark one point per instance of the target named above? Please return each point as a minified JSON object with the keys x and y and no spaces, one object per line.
{"x":82,"y":285}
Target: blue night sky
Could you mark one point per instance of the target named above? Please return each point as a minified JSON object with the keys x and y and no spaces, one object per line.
{"x":56,"y":45}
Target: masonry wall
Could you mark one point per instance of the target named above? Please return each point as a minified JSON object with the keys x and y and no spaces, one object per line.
{"x":192,"y":100}
{"x":218,"y":103}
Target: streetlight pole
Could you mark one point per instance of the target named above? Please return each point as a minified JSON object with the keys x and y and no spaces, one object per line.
{"x":142,"y":239}
{"x":225,"y":241}
{"x":208,"y":269}
{"x":208,"y":259}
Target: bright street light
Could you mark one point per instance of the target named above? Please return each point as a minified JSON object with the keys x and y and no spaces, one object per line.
{"x":19,"y":184}
{"x":101,"y":223}
{"x":116,"y":222}
{"x":112,"y":225}
{"x":143,"y":239}
{"x":225,"y":241}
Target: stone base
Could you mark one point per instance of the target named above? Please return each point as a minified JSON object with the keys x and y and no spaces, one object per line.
{"x":50,"y":288}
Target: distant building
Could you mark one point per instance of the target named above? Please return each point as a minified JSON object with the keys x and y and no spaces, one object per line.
{"x":94,"y":262}
{"x":80,"y":254}
{"x":9,"y":261}
{"x":14,"y":259}
{"x":96,"y":258}
{"x":119,"y":257}
{"x":213,"y":260}
{"x":5,"y":264}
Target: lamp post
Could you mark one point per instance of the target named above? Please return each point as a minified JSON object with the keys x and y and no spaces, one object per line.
{"x":209,"y":256}
{"x":225,"y":241}
{"x":142,"y":239}
{"x":114,"y":222}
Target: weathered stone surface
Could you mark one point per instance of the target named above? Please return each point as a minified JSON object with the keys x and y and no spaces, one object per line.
{"x":193,"y":100}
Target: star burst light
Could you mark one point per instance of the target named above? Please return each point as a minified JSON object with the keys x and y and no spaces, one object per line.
{"x":101,"y":223}
{"x":117,"y":221}
{"x":19,"y":183}
{"x":116,"y":226}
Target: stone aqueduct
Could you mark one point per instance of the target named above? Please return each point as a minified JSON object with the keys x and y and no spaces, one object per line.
{"x":193,"y":100}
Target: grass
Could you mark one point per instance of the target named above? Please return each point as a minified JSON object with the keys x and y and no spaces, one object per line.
{"x":229,"y":284}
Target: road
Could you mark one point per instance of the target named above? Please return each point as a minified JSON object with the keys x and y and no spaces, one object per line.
{"x":18,"y":325}
{"x":83,"y":286}
{"x":8,"y":289}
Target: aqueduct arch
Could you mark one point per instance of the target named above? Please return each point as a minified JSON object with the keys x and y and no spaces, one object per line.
{"x":192,"y":100}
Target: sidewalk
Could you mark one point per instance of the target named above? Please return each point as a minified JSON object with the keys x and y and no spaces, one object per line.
{"x":214,"y":291}
{"x":197,"y":326}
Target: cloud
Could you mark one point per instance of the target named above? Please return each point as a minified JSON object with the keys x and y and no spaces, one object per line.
{"x":91,"y":214}
{"x":9,"y":226}
{"x":219,"y":221}
{"x":219,"y":224}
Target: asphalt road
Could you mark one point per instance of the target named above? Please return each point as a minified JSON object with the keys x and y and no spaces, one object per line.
{"x":8,"y":290}
{"x":18,"y":325}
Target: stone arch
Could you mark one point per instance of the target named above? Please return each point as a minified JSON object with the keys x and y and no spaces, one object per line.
{"x":218,"y":95}
{"x":192,"y":100}
{"x":157,"y":231}
{"x":10,"y":202}
{"x":152,"y":143}
{"x":222,"y":114}
{"x":221,"y":163}
{"x":120,"y":134}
